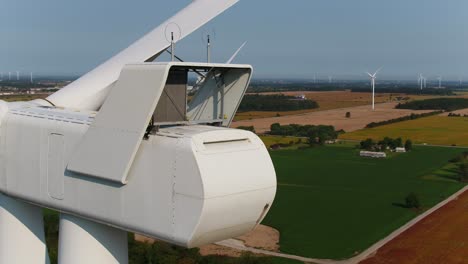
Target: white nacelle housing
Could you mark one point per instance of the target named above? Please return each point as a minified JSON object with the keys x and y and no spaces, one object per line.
{"x":187,"y":183}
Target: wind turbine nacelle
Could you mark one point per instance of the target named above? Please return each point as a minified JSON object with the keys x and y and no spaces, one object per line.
{"x":148,"y":161}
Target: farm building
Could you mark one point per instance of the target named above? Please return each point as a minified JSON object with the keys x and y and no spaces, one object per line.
{"x":372,"y":154}
{"x":400,"y":150}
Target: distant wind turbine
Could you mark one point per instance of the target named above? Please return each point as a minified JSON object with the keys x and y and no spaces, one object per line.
{"x":440,"y":81}
{"x":17,"y":75}
{"x":421,"y":80}
{"x":373,"y":77}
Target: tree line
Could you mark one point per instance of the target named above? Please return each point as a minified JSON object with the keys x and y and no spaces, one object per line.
{"x":277,"y":102}
{"x":446,"y":104}
{"x":317,"y":135}
{"x":401,"y":119}
{"x":462,"y":163}
{"x":385,"y":144}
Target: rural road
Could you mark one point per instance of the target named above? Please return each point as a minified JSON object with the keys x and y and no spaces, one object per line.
{"x":239,"y":245}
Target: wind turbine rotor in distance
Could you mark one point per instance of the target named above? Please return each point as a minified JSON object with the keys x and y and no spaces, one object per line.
{"x":373,"y":78}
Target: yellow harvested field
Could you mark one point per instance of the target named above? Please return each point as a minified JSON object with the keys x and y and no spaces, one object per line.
{"x":436,"y":130}
{"x":360,"y":117}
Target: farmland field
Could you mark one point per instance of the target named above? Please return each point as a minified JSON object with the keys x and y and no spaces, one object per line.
{"x":326,"y":100}
{"x":331,"y":203}
{"x":330,"y":100}
{"x":360,"y":117}
{"x":437,"y":130}
{"x":442,"y":237}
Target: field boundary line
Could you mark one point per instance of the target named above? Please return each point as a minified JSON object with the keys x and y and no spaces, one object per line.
{"x":236,"y":244}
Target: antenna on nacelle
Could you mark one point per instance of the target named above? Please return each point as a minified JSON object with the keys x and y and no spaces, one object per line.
{"x":208,"y":49}
{"x":172,"y":46}
{"x":207,"y":38}
{"x":173,"y":34}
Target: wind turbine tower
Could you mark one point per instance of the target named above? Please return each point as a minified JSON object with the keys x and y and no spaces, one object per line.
{"x":440,"y":81}
{"x":32,"y":80}
{"x":373,"y":77}
{"x":421,"y":80}
{"x":17,"y":75}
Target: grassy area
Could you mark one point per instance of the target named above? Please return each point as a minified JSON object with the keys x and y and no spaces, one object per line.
{"x":22,"y":97}
{"x":273,"y":140}
{"x":331,"y":203}
{"x":437,"y":130}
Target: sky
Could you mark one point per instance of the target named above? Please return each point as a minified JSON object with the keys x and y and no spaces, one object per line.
{"x":286,"y":39}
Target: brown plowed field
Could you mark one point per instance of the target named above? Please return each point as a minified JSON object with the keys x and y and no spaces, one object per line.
{"x":441,"y":238}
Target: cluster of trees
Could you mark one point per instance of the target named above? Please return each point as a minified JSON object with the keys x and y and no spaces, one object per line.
{"x":456,"y":115}
{"x":462,"y":162}
{"x":412,"y":201}
{"x":277,"y":102}
{"x":317,"y":135}
{"x":403,"y":118}
{"x":446,"y":104}
{"x":386,"y":143}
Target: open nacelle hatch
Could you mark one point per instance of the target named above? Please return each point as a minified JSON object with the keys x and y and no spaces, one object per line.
{"x":150,"y":95}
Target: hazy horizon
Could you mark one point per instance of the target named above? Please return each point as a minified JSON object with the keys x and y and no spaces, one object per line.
{"x":285,"y":41}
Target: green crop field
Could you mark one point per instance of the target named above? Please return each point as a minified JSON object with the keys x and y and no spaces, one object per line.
{"x":438,"y":130}
{"x":331,"y":203}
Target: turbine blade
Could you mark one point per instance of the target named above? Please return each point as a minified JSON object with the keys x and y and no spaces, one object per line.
{"x":235,"y":53}
{"x":378,"y":70}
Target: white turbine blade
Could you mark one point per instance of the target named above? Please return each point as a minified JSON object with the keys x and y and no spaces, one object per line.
{"x":370,"y":75}
{"x":235,"y":53}
{"x":81,"y":93}
{"x":378,"y":71}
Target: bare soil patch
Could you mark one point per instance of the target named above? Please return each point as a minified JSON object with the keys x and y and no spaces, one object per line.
{"x":263,"y":237}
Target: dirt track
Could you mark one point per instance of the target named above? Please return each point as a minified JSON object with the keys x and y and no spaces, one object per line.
{"x":263,"y":237}
{"x":441,"y":238}
{"x":360,"y":117}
